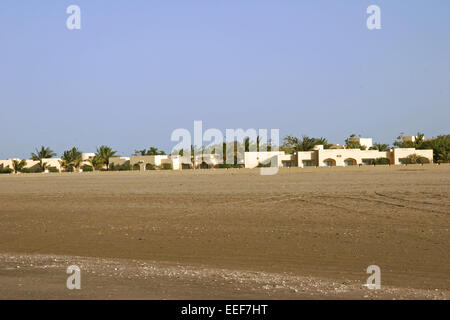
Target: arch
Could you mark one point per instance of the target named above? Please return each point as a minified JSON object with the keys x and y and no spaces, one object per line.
{"x":368,"y":162}
{"x":150,"y":166}
{"x":329,"y":162}
{"x":204,"y":165}
{"x":350,"y":162}
{"x":136,"y":167}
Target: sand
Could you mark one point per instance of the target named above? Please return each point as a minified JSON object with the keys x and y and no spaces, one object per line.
{"x":227,"y":234}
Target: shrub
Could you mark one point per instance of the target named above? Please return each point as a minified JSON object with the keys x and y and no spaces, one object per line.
{"x":414,"y":158}
{"x":120,"y":167}
{"x":264,"y":165}
{"x":166,"y":166}
{"x":125,"y":167}
{"x":87,"y":168}
{"x":229,"y":166}
{"x":381,"y":161}
{"x":31,"y":170}
{"x":149,"y":166}
{"x":6,"y":171}
{"x":423,"y":160}
{"x":53,"y":170}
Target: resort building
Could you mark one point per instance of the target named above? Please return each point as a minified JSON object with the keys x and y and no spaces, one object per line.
{"x":143,"y":163}
{"x":52,"y":164}
{"x":272,"y":158}
{"x":318,"y":157}
{"x":321,"y":157}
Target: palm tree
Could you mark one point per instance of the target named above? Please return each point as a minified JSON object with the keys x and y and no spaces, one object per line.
{"x":71,"y":159}
{"x":96,"y":162}
{"x":40,"y":155}
{"x":380,"y":147}
{"x":292,"y":144}
{"x":104,"y":153}
{"x":18,"y":165}
{"x":152,"y":151}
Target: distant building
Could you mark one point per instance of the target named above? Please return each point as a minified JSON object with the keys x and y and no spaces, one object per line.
{"x":365,"y":142}
{"x":318,"y":157}
{"x":336,"y":156}
{"x":51,"y":164}
{"x":350,"y":157}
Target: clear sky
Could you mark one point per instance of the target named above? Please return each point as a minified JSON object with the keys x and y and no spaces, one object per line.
{"x":139,"y":69}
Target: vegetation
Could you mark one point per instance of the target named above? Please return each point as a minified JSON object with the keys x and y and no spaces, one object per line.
{"x":103,"y":154}
{"x":381,"y":161}
{"x":71,"y":159}
{"x":251,"y":146}
{"x":166,"y":166}
{"x":96,"y":163}
{"x":229,"y":166}
{"x":87,"y":168}
{"x":40,"y":155}
{"x":264,"y":165}
{"x":6,"y":170}
{"x":418,"y":143}
{"x":18,"y":165}
{"x":350,"y":143}
{"x":293,"y":144}
{"x":440,"y":146}
{"x":152,"y":151}
{"x":380,"y":147}
{"x":414,"y":159}
{"x":121,"y":167}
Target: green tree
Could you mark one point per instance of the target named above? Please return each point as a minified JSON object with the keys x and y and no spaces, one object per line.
{"x":418,"y":142}
{"x":380,"y":147}
{"x":18,"y":165}
{"x":293,"y":144}
{"x":40,"y":155}
{"x":381,"y":161}
{"x":96,"y":162}
{"x":414,"y":158}
{"x":104,"y":153}
{"x":71,"y":159}
{"x":440,"y":146}
{"x":350,"y":143}
{"x":152,"y":151}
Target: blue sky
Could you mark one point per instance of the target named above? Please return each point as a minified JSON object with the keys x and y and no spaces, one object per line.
{"x":139,"y":69}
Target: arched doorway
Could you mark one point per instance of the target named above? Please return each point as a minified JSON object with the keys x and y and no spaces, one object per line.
{"x":349,"y":162}
{"x":204,"y":165}
{"x":329,"y":162}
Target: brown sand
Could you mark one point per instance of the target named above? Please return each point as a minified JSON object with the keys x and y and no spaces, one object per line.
{"x":303,"y":233}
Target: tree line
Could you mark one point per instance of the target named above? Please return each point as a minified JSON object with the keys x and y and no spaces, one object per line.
{"x":440,"y":145}
{"x":71,"y":159}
